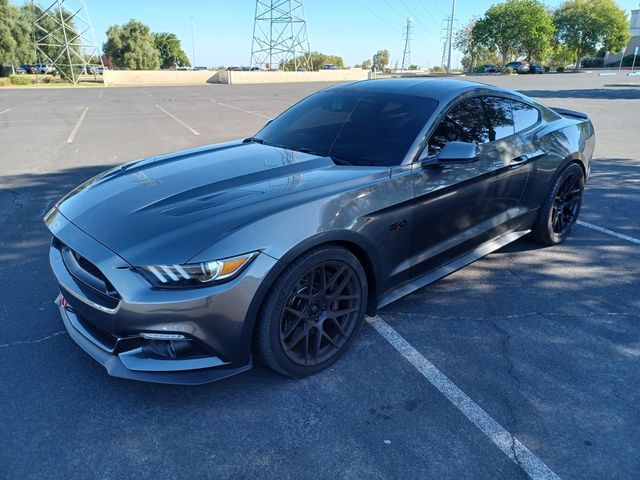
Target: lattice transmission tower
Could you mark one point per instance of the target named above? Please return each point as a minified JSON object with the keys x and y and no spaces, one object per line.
{"x":406,"y":54}
{"x":448,"y":27}
{"x":280,"y":36}
{"x":65,"y":40}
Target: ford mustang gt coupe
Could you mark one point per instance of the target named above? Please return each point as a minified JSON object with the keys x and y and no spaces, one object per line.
{"x":182,"y":268}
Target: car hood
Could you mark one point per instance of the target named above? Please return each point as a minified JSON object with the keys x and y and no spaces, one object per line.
{"x":166,"y":209}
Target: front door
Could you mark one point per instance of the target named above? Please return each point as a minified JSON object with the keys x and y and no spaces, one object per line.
{"x":458,"y":206}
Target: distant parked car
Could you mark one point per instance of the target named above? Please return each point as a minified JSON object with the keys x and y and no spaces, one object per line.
{"x":491,"y":68}
{"x":29,"y":68}
{"x":330,"y":66}
{"x":518,"y":67}
{"x":183,"y":69}
{"x":301,"y":69}
{"x":197,"y":69}
{"x":535,"y":68}
{"x":234,"y":69}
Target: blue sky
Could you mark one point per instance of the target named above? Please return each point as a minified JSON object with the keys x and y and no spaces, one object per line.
{"x":354,"y":29}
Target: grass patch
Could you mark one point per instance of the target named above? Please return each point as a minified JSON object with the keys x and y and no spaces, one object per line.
{"x":19,"y":80}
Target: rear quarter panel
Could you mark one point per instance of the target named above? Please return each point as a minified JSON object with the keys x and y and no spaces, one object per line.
{"x":564,"y":141}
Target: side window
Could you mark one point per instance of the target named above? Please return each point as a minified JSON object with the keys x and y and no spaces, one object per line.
{"x":466,"y":122}
{"x":500,"y":119}
{"x":477,"y":120}
{"x":524,"y":115}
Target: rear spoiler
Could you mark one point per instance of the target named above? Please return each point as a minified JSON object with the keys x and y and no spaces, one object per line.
{"x":570,"y":113}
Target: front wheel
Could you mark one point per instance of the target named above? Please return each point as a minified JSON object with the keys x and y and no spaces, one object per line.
{"x":561,"y":207}
{"x":313,"y":312}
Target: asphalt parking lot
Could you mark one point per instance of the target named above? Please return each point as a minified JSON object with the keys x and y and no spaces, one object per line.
{"x":524,"y":364}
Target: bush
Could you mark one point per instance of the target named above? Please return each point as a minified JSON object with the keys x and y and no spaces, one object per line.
{"x":4,"y":82}
{"x":593,"y":62}
{"x":547,"y":69}
{"x":19,"y":80}
{"x":509,"y":71}
{"x":560,"y":69}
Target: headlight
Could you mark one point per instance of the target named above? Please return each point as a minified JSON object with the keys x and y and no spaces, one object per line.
{"x":196,"y":274}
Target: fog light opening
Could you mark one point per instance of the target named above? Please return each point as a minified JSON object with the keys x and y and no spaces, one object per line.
{"x":172,"y":349}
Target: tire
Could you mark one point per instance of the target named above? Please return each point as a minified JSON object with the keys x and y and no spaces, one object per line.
{"x":313,"y":312}
{"x":561,"y":207}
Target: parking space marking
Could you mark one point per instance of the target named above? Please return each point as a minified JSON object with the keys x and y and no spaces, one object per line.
{"x":100,"y":94}
{"x":240,"y":109}
{"x":609,"y":232}
{"x":74,"y":132}
{"x":505,"y":441}
{"x":178,"y":120}
{"x":5,"y":111}
{"x":144,"y":91}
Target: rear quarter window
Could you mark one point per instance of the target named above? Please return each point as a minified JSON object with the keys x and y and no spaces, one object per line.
{"x":524,"y":116}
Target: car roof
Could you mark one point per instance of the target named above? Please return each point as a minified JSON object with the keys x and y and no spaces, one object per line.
{"x":436,"y":88}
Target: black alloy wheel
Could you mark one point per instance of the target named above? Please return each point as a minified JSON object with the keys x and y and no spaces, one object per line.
{"x":566,"y":205}
{"x":313,"y":312}
{"x":561,"y":207}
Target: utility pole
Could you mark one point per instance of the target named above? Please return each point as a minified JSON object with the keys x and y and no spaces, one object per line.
{"x":193,"y":43}
{"x":406,"y":55}
{"x":453,"y":16}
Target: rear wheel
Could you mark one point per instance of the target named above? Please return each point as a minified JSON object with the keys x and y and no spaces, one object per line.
{"x":313,"y":312}
{"x":561,"y":207}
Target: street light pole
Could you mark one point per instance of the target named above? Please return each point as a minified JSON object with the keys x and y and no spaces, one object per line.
{"x":193,"y":43}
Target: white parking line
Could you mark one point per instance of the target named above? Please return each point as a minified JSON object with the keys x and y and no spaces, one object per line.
{"x":241,"y":109}
{"x":100,"y":94}
{"x":609,"y":232}
{"x":505,"y":441}
{"x":178,"y":120}
{"x":74,"y":132}
{"x":5,"y":111}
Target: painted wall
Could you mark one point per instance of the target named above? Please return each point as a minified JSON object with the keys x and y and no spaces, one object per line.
{"x":169,"y":77}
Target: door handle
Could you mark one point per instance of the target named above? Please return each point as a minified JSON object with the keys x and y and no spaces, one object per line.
{"x":526,"y":157}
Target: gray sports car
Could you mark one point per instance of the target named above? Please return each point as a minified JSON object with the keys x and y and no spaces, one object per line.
{"x":180,"y":268}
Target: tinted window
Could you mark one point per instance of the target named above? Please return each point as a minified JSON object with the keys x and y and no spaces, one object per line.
{"x":361,"y":128}
{"x":499,"y":113}
{"x":524,"y":115}
{"x":477,"y":120}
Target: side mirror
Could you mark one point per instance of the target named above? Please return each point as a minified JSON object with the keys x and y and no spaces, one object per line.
{"x":458,"y":152}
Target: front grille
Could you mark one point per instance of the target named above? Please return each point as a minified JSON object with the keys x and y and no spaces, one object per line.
{"x":86,"y":272}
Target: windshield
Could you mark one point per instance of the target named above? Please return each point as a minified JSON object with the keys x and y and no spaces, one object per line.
{"x":353,"y":127}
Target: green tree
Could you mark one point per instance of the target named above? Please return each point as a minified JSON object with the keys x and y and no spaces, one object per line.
{"x":131,"y":46}
{"x":584,"y":25}
{"x":498,"y":29}
{"x":366,"y":64}
{"x":170,"y":50}
{"x":16,"y":35}
{"x":314,"y":61}
{"x":515,"y":27}
{"x":381,"y":59}
{"x":475,"y":48}
{"x":536,"y":31}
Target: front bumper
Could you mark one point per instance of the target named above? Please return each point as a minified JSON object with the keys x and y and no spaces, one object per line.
{"x":217,"y":321}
